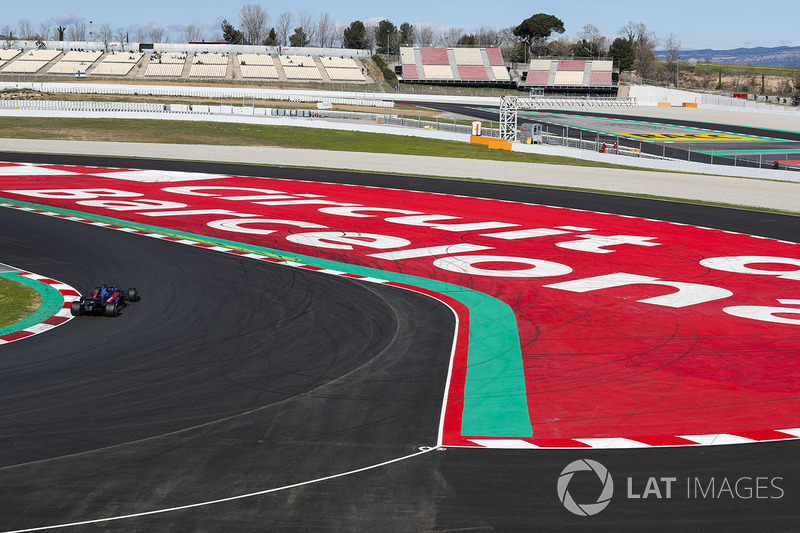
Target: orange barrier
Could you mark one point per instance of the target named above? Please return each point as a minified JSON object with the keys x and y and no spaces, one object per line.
{"x":491,"y":142}
{"x":689,"y":104}
{"x":664,"y":104}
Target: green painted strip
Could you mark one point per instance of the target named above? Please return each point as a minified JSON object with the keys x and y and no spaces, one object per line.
{"x":495,"y":399}
{"x":732,"y":152}
{"x":52,"y":302}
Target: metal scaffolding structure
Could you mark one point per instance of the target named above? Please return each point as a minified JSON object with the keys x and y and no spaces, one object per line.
{"x":510,"y":106}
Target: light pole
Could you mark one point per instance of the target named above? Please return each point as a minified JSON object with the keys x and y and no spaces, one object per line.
{"x":90,"y":30}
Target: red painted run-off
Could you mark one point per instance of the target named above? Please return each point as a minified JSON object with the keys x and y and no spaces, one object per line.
{"x":705,"y":342}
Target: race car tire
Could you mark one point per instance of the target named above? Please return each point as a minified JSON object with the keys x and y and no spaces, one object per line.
{"x":111,"y":309}
{"x":76,"y":309}
{"x":133,"y":295}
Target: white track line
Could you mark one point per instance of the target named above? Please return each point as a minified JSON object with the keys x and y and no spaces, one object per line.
{"x":231,"y":498}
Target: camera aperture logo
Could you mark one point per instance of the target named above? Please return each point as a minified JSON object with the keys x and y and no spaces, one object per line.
{"x":585,"y":509}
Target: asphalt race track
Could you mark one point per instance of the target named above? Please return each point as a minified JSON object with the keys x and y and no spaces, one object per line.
{"x":233,"y":377}
{"x":672,"y":138}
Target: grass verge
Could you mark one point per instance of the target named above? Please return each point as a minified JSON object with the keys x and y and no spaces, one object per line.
{"x":17,"y":302}
{"x":227,"y":134}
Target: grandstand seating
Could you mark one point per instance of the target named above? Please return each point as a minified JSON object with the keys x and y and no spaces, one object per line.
{"x":345,"y":74}
{"x":82,"y":56}
{"x":501,"y":73}
{"x":69,"y":67}
{"x":257,"y":66}
{"x":255,"y":59}
{"x":30,"y":61}
{"x":113,"y":69}
{"x":342,"y":68}
{"x":24,"y":67}
{"x":495,"y":57}
{"x":570,"y":73}
{"x":170,"y":57}
{"x":200,"y":70}
{"x":568,"y":77}
{"x":259,"y":71}
{"x":434,"y":56}
{"x":75,"y":61}
{"x":297,"y":61}
{"x":8,"y":55}
{"x":165,"y":70}
{"x":453,"y":65}
{"x":407,"y":56}
{"x":472,"y":72}
{"x":117,"y":64}
{"x":210,"y":58}
{"x":302,"y":73}
{"x":468,"y":56}
{"x":338,"y":62}
{"x":123,"y":57}
{"x":571,"y":64}
{"x":39,"y":55}
{"x":438,"y":72}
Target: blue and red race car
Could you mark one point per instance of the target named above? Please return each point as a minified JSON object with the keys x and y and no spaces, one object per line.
{"x":106,"y":300}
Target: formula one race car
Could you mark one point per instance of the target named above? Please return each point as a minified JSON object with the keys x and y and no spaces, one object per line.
{"x":107,"y":300}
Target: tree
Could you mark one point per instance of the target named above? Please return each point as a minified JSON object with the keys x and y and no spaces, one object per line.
{"x":306,"y":21}
{"x":355,"y":36}
{"x":44,"y":31}
{"x":534,"y":31}
{"x":644,"y":42}
{"x":193,"y":34}
{"x":253,"y":19}
{"x":595,"y":42}
{"x":106,"y":35}
{"x":562,"y":47}
{"x":272,"y":38}
{"x":25,"y":29}
{"x":285,"y":22}
{"x":623,"y":53}
{"x":60,"y":32}
{"x":673,"y":46}
{"x":406,"y":34}
{"x":324,"y":30}
{"x":157,"y":34}
{"x":230,"y":34}
{"x":425,"y":36}
{"x":487,"y":37}
{"x":466,"y":40}
{"x":370,"y":36}
{"x":77,"y":32}
{"x":299,"y":38}
{"x":451,"y":36}
{"x":8,"y":32}
{"x":383,"y":36}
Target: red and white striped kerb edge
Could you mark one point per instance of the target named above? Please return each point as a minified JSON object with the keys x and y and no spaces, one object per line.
{"x":62,"y":316}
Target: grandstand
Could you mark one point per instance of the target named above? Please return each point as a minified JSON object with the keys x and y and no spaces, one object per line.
{"x":301,"y":68}
{"x":75,"y":61}
{"x":166,"y":65}
{"x":117,"y":64}
{"x":209,"y":65}
{"x":30,"y":61}
{"x":7,"y":55}
{"x":474,"y":66}
{"x":576,"y":76}
{"x":257,"y":66}
{"x":342,"y":69}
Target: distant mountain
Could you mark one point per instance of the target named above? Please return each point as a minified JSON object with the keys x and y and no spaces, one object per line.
{"x":782,"y":56}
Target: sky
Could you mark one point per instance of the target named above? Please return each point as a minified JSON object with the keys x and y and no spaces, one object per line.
{"x":697,"y":24}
